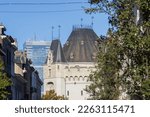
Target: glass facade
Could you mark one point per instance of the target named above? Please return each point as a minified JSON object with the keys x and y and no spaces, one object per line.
{"x":37,"y":51}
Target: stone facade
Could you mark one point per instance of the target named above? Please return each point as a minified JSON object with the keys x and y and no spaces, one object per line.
{"x":28,"y":84}
{"x":20,"y":82}
{"x":69,"y":79}
{"x":36,"y":84}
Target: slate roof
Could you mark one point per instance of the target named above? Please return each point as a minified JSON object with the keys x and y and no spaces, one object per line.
{"x":58,"y":55}
{"x":81,"y":45}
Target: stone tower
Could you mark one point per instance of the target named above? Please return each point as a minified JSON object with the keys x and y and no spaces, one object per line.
{"x":67,"y":69}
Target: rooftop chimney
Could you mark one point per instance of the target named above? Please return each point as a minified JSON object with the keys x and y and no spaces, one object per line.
{"x":2,"y":29}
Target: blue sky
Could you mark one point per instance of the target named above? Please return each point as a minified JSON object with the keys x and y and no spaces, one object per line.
{"x":25,"y":22}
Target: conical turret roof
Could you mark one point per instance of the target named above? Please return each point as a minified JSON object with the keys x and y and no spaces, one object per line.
{"x":58,"y":55}
{"x":81,"y":45}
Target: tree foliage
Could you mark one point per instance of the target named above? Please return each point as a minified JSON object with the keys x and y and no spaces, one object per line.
{"x":51,"y":95}
{"x":4,"y":82}
{"x":124,"y":58}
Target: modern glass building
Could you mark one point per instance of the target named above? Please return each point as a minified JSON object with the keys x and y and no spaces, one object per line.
{"x":37,"y":51}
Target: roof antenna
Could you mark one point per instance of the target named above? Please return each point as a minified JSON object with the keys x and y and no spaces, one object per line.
{"x":59,"y":31}
{"x":81,"y":22}
{"x":52,"y":31}
{"x":92,"y":21}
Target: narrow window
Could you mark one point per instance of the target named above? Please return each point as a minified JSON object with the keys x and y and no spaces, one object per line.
{"x":49,"y":73}
{"x":78,"y":79}
{"x":67,"y":93}
{"x":58,"y":67}
{"x":81,"y":93}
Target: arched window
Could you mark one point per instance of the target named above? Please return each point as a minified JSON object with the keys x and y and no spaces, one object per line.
{"x":71,"y":77}
{"x":76,"y":77}
{"x":50,"y":85}
{"x":82,"y":78}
